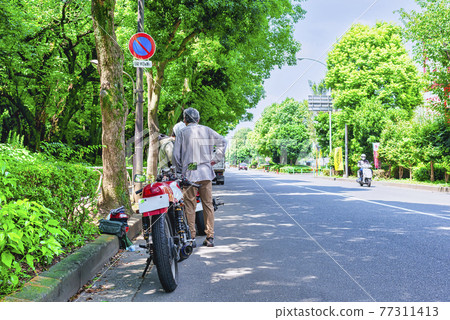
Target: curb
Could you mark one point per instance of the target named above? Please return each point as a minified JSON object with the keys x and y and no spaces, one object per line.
{"x":64,"y":279}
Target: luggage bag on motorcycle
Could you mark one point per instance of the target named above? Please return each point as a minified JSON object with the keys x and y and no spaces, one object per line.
{"x":112,"y":227}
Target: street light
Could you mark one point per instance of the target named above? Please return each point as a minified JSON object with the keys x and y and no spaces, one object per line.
{"x":315,"y":60}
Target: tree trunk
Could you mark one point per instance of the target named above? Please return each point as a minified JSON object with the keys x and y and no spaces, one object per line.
{"x":113,"y":107}
{"x":400,"y":172}
{"x":154,"y":94}
{"x":431,"y":171}
{"x":446,"y":177}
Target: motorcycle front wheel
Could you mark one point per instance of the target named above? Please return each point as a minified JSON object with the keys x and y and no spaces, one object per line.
{"x":165,"y":253}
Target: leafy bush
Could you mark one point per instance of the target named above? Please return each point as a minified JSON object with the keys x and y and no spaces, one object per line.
{"x":45,"y":206}
{"x":61,"y":152}
{"x":30,"y":235}
{"x":64,"y":188}
{"x":295,"y":169}
{"x":423,"y":172}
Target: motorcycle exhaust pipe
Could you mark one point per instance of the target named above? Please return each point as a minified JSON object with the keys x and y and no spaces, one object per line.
{"x":186,"y":251}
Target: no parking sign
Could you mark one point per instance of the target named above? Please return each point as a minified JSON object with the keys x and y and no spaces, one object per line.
{"x":142,"y":46}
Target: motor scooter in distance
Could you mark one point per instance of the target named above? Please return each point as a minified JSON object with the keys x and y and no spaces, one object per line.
{"x":366,"y":175}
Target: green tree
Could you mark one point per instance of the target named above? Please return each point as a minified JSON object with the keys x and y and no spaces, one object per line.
{"x":372,"y":62}
{"x":398,"y":146}
{"x":428,"y":30}
{"x":433,"y":139}
{"x":259,"y":31}
{"x":240,"y":149}
{"x":46,"y":88}
{"x":318,"y":89}
{"x":282,"y":132}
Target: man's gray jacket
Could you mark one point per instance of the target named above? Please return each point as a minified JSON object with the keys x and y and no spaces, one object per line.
{"x":194,"y":151}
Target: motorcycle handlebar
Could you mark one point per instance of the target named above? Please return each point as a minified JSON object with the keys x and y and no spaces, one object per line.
{"x":186,"y":182}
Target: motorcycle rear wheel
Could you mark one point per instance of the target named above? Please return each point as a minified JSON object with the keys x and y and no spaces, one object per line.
{"x":165,"y":253}
{"x":200,"y":223}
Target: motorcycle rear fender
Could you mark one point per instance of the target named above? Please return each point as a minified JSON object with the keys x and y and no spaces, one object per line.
{"x":154,"y":205}
{"x":154,"y":212}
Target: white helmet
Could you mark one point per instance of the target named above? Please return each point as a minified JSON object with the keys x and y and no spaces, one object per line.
{"x":363,"y":157}
{"x":177,"y":128}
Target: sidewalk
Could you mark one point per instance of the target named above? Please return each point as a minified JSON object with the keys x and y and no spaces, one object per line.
{"x":64,"y":279}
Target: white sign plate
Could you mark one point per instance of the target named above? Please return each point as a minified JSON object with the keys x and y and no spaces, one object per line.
{"x":142,"y":63}
{"x":153,"y":203}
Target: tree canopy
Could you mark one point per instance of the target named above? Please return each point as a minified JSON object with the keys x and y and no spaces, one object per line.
{"x":282,"y":132}
{"x":372,"y":62}
{"x":428,"y":30}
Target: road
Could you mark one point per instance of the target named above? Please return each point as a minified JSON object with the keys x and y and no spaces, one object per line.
{"x":300,"y":238}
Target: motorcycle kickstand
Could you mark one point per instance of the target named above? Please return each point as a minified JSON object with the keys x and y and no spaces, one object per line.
{"x":149,"y":260}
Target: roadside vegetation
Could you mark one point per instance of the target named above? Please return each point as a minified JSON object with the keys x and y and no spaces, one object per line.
{"x":47,"y":209}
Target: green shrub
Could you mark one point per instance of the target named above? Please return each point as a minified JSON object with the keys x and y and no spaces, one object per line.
{"x":44,"y":206}
{"x":61,"y":152}
{"x":29,"y":235}
{"x":423,"y":172}
{"x":295,"y":169}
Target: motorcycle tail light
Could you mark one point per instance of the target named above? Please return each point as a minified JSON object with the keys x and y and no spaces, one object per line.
{"x":151,"y":191}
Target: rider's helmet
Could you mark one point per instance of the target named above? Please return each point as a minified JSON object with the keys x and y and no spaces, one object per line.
{"x":177,"y":128}
{"x":191,"y":115}
{"x":363,"y":157}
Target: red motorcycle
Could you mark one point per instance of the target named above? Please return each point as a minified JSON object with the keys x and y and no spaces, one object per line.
{"x":166,"y":231}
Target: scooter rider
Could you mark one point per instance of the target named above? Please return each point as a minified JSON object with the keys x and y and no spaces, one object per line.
{"x":361,"y":163}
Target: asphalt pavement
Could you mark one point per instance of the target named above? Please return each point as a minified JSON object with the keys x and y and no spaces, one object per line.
{"x":300,"y":238}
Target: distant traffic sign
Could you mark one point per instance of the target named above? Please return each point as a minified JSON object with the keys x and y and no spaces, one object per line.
{"x":142,"y":46}
{"x":320,"y":103}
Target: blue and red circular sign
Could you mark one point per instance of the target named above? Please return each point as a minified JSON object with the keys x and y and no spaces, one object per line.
{"x":142,"y":46}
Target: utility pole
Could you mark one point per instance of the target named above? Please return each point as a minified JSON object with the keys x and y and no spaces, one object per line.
{"x":346,"y":151}
{"x":138,"y":159}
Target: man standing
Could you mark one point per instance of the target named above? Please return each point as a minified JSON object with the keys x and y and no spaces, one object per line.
{"x":194,"y":157}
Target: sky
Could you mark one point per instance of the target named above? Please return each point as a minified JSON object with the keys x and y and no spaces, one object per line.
{"x":324,"y":23}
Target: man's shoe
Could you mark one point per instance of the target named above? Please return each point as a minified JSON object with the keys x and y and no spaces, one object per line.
{"x":209,"y":242}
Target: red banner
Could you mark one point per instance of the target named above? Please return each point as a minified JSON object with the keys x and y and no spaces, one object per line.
{"x":375,"y":155}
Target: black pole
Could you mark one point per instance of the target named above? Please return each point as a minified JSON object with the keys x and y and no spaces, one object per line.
{"x":138,"y":130}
